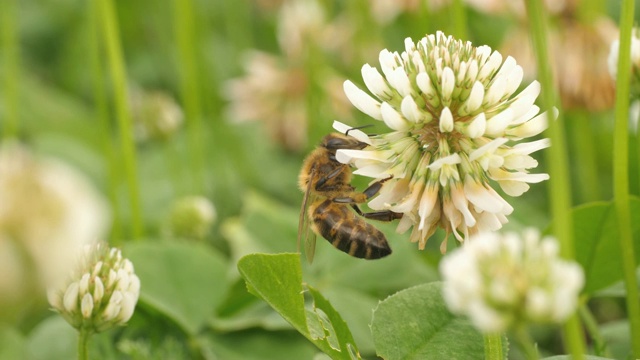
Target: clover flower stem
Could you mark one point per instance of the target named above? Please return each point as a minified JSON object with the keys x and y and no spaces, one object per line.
{"x":493,"y":347}
{"x":621,"y":171}
{"x":184,"y":27}
{"x":591,"y":324}
{"x":102,"y":113}
{"x":117,"y":69}
{"x":459,"y":19}
{"x":526,"y":343}
{"x":83,"y":344}
{"x":580,"y":130}
{"x":556,"y":157}
{"x":11,"y":57}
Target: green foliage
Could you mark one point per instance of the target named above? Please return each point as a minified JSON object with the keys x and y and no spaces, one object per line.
{"x":596,"y":231}
{"x":194,"y":272}
{"x":194,"y":301}
{"x":277,"y":279}
{"x":415,"y":324}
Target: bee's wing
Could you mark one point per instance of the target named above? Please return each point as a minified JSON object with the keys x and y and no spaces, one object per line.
{"x":303,"y":223}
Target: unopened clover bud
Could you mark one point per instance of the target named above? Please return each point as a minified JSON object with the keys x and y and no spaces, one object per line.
{"x":191,"y":217}
{"x":101,"y":293}
{"x":503,"y":281}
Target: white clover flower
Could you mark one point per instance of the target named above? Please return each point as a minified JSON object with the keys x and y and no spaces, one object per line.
{"x":454,"y":112}
{"x":47,"y":211}
{"x":499,"y":281}
{"x":101,"y":293}
{"x":192,"y":217}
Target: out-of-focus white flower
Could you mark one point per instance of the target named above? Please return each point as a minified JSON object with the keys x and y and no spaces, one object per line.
{"x":275,"y":91}
{"x":156,"y":115}
{"x":612,"y":61}
{"x":192,"y":217}
{"x":578,"y":56}
{"x":47,"y":212}
{"x":101,"y":293}
{"x":454,"y":113}
{"x":499,"y":281}
{"x":299,"y":22}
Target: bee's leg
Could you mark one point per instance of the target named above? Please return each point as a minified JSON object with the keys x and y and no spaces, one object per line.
{"x":358,"y":198}
{"x":375,"y":187}
{"x":384,"y":215}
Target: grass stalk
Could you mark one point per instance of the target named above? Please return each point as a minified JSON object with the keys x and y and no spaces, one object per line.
{"x":184,"y":23}
{"x":11,"y":67}
{"x":556,"y":157}
{"x":102,"y":114}
{"x":459,"y":17}
{"x":117,"y":69}
{"x":621,"y":172}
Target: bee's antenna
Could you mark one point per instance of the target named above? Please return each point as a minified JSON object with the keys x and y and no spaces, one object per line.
{"x":357,"y":128}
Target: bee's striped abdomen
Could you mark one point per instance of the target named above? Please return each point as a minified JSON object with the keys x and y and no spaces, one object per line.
{"x":348,"y":233}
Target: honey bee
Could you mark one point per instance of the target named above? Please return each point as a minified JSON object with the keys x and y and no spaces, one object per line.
{"x":328,"y":194}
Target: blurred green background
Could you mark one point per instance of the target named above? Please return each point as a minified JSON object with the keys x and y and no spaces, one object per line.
{"x":240,"y":144}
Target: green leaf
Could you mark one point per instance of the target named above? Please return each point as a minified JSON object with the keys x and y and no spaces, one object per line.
{"x":617,"y":337}
{"x":415,"y":324}
{"x":184,"y":281}
{"x":597,"y":246}
{"x":53,"y":339}
{"x":11,"y":344}
{"x":259,"y":345}
{"x":277,"y":279}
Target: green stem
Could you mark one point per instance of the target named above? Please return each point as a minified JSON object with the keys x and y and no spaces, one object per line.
{"x":556,"y":157}
{"x":599,"y":344}
{"x":119,"y":78}
{"x":621,"y":172}
{"x":83,"y":344}
{"x":526,"y":343}
{"x":459,"y":20}
{"x":589,"y":10}
{"x":184,"y":28}
{"x":581,"y":132}
{"x":493,"y":347}
{"x":11,"y":67}
{"x":102,"y":113}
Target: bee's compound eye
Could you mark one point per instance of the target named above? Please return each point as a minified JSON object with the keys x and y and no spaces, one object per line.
{"x":337,"y":143}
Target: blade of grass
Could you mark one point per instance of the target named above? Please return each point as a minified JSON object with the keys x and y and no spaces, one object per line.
{"x":459,"y":17}
{"x":184,"y":23}
{"x":110,"y":31}
{"x":556,"y":157}
{"x":102,"y":113}
{"x":621,"y":171}
{"x":11,"y":67}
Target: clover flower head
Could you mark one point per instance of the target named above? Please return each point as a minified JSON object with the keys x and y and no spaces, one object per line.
{"x":454,"y":113}
{"x":500,"y":281}
{"x":101,"y":293}
{"x":192,"y":217}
